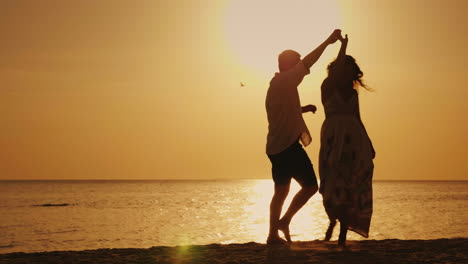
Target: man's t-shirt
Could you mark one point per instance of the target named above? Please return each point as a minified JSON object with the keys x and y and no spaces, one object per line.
{"x":285,"y":122}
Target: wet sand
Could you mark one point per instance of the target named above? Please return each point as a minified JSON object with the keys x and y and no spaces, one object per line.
{"x":366,"y":251}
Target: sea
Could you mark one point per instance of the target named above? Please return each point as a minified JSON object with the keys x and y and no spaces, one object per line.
{"x":40,"y":216}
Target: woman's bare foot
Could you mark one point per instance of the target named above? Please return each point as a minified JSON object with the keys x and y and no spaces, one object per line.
{"x":342,"y":243}
{"x":284,"y":227}
{"x":342,"y":247}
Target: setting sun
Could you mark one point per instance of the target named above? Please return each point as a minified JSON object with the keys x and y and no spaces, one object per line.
{"x":257,"y":31}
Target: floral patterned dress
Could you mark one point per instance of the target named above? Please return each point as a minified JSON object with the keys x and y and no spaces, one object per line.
{"x":346,"y":164}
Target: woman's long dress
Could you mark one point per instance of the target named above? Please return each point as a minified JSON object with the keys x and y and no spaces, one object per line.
{"x":345,"y":164}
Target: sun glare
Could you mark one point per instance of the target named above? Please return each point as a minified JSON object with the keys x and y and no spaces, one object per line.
{"x":257,"y":31}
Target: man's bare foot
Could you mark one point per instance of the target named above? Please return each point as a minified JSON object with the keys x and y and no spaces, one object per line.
{"x":275,"y":241}
{"x":284,"y":227}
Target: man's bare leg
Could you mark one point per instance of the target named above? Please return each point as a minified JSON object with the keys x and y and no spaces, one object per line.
{"x":299,"y":200}
{"x":276,"y":205}
{"x":329,"y":232}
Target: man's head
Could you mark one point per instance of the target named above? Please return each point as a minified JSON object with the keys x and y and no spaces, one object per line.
{"x":288,"y":59}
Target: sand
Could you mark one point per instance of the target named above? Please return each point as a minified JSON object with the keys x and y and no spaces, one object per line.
{"x":366,"y":251}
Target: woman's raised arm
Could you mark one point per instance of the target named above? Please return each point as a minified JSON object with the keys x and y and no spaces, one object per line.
{"x":341,"y":59}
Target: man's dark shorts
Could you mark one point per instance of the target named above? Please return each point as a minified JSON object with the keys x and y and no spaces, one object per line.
{"x":293,"y":162}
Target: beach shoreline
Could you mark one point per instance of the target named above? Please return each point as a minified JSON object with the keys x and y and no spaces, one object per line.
{"x":364,"y":251}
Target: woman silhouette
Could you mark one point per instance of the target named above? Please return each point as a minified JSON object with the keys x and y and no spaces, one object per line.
{"x":346,"y":151}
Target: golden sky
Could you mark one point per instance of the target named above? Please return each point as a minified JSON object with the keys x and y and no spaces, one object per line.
{"x":125,"y":89}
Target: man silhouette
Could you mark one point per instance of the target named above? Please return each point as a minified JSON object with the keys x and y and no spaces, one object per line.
{"x":286,"y":128}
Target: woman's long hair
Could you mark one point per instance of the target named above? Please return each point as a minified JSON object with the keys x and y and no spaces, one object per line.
{"x":357,"y":73}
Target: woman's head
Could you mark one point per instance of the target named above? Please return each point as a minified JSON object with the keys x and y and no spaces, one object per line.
{"x":351,"y":72}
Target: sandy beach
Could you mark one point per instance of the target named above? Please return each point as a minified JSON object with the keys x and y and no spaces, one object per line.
{"x":367,"y":251}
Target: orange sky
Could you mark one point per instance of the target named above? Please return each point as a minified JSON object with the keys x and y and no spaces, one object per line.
{"x":150,"y":89}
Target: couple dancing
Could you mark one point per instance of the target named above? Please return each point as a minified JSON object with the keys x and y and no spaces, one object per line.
{"x":346,"y":152}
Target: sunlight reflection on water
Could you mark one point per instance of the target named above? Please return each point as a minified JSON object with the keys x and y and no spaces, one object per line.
{"x":309,"y":223}
{"x":154,"y":213}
